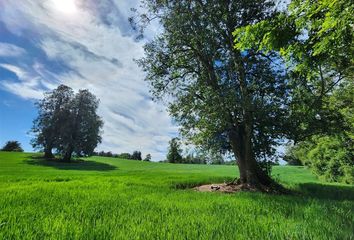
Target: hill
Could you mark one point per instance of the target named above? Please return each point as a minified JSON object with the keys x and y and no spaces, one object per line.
{"x":109,"y":198}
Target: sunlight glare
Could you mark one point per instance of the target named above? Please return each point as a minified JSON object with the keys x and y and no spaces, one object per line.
{"x":65,"y":6}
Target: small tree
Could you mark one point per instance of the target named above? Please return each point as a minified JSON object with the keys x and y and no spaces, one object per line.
{"x":136,"y":155}
{"x":174,"y":151}
{"x":148,"y":157}
{"x":12,"y":146}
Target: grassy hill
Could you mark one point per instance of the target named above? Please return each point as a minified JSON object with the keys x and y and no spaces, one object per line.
{"x":108,"y":198}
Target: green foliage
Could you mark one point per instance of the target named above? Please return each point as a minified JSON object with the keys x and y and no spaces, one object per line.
{"x":140,"y":200}
{"x":317,"y":48}
{"x":174,"y":154}
{"x":84,"y":130}
{"x":12,"y":146}
{"x":136,"y":155}
{"x":290,"y":156}
{"x":67,"y":122}
{"x":148,"y":157}
{"x":331,"y":155}
{"x":53,"y":118}
{"x":124,"y":156}
{"x":328,"y":156}
{"x":309,"y":33}
{"x":316,"y":41}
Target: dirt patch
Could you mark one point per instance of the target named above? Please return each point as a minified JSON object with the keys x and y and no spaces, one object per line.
{"x":223,"y":187}
{"x":233,"y":187}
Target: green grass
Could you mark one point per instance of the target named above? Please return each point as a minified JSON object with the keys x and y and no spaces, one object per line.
{"x":106,"y":198}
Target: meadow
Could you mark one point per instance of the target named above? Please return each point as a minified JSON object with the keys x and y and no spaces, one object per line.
{"x":109,"y":198}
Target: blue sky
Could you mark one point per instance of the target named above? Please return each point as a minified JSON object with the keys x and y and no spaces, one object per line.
{"x":83,"y":44}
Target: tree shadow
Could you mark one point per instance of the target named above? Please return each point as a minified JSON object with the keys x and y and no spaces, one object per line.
{"x":327,"y":192}
{"x":80,"y":165}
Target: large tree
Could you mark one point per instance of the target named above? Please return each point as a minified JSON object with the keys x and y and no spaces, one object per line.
{"x":223,"y":98}
{"x":81,"y":133}
{"x":67,"y":122}
{"x":53,"y":112}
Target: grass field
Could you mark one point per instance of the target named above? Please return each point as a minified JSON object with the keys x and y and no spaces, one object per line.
{"x":107,"y":198}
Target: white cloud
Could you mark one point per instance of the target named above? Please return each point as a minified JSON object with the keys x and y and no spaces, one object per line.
{"x":28,"y":86}
{"x":10,"y":50}
{"x":100,"y":55}
{"x":20,"y":73}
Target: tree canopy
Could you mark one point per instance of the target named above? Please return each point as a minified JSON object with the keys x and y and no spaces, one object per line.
{"x":174,"y":154}
{"x":12,"y":146}
{"x":67,"y":122}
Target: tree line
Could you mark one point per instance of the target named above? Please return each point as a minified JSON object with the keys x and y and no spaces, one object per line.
{"x":175,"y":155}
{"x":136,"y":155}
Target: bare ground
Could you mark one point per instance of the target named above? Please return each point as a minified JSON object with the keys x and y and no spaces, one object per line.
{"x":223,"y":187}
{"x":234,"y":187}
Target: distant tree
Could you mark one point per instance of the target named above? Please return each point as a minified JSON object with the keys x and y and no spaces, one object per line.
{"x":136,"y":155}
{"x":125,"y":156}
{"x":290,"y":156}
{"x":12,"y":146}
{"x":148,"y":157}
{"x":53,"y":116}
{"x":67,"y":122}
{"x":109,"y":154}
{"x":174,"y":154}
{"x":217,"y":159}
{"x":192,"y":158}
{"x":209,"y":157}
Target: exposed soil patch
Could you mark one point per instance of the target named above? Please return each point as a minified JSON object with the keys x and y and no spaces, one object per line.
{"x":223,"y":187}
{"x":234,"y":187}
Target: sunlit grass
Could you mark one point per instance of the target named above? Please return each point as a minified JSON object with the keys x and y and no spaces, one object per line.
{"x":107,"y":198}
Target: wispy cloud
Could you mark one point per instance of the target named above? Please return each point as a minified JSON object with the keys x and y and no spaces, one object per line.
{"x":97,"y":47}
{"x":10,"y":50}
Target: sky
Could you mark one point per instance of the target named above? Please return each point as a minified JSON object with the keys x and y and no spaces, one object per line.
{"x":85,"y":44}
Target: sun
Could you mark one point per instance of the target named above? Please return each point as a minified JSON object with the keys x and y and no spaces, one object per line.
{"x":65,"y":6}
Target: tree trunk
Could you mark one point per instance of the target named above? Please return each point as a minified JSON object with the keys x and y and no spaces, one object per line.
{"x":68,"y":154}
{"x":48,"y":153}
{"x":250,"y":172}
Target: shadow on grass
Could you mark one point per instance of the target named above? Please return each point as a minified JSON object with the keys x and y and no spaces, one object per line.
{"x":327,"y":192}
{"x":73,"y":165}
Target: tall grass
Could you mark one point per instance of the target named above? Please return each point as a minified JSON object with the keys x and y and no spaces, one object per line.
{"x":106,"y":198}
